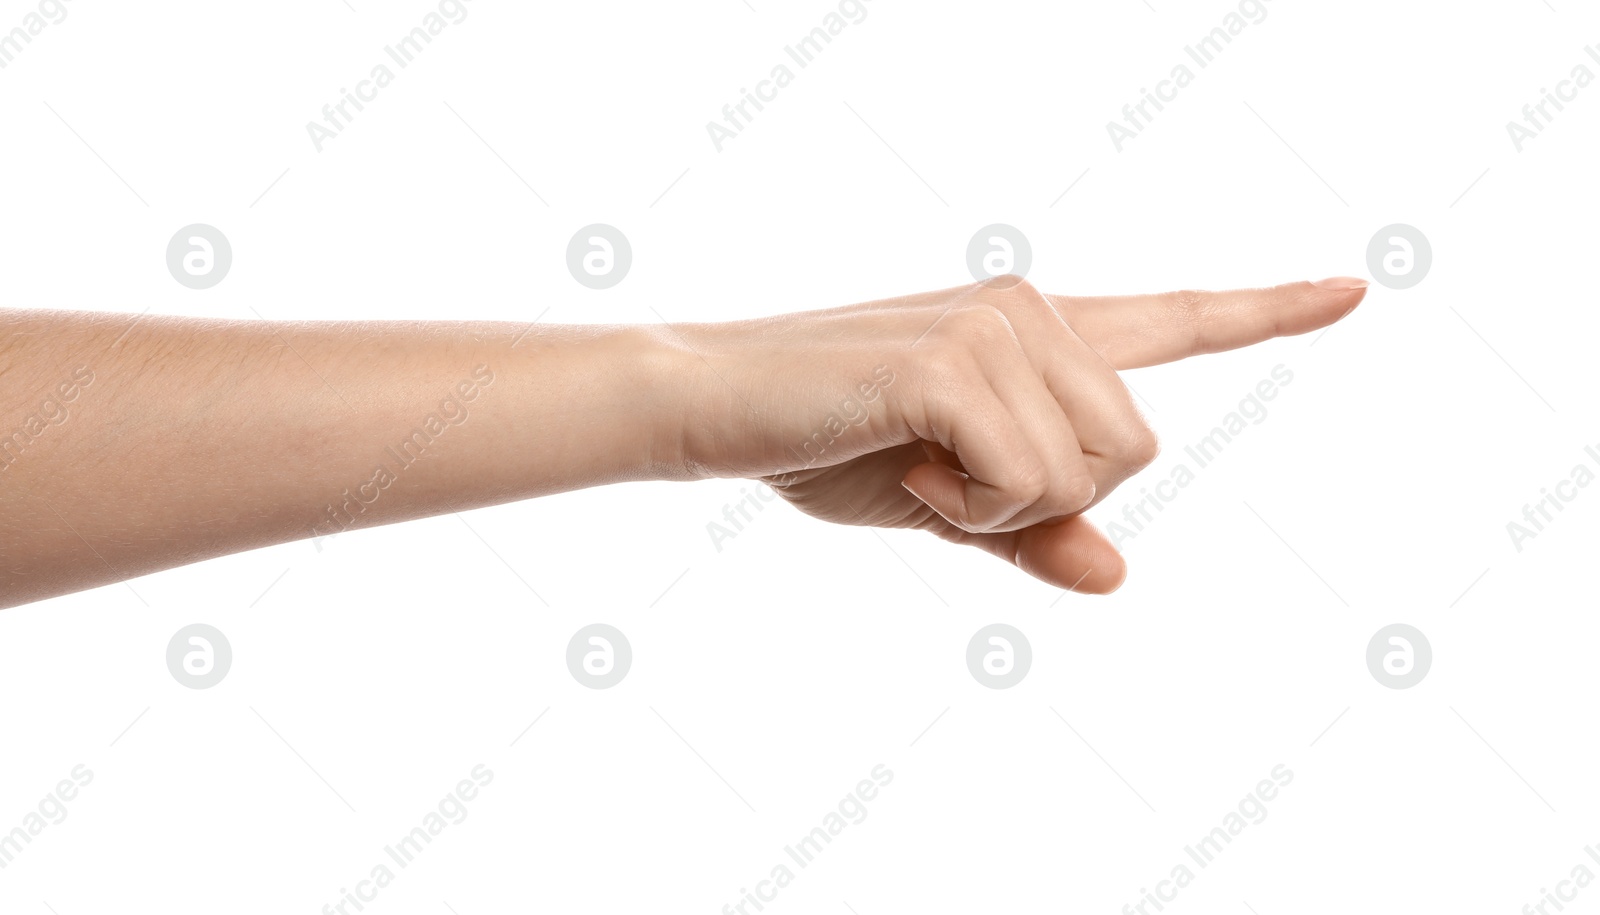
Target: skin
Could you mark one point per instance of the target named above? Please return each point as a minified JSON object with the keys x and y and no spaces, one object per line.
{"x":990,"y":415}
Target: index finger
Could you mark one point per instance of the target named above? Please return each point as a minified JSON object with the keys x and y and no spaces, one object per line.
{"x":1139,"y":330}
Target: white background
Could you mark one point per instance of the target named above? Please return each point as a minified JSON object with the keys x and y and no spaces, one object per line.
{"x":372,"y":675}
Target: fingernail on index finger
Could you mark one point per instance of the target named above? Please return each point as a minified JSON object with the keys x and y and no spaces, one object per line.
{"x":1341,"y":283}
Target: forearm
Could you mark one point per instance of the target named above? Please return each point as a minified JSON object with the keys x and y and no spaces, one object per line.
{"x":989,"y":414}
{"x":129,"y":449}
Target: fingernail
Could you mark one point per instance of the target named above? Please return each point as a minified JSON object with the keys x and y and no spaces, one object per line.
{"x":1341,"y":283}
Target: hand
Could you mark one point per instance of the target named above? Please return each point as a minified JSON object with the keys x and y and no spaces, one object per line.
{"x":990,"y":414}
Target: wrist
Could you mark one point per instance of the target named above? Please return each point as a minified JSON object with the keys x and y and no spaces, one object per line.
{"x":664,"y":380}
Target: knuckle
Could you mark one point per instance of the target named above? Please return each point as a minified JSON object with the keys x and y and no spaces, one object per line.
{"x":1189,"y":310}
{"x":1143,"y":447}
{"x":979,"y":323}
{"x":947,"y":365}
{"x":938,"y":371}
{"x":1029,"y":484}
{"x":1076,"y":490}
{"x":1190,"y":302}
{"x":1010,"y":291}
{"x":1190,"y":307}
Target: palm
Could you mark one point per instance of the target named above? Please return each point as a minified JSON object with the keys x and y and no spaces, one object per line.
{"x":866,"y":490}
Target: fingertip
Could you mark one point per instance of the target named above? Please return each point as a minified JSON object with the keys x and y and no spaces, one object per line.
{"x":1103,"y":579}
{"x":1355,"y":297}
{"x":1073,"y":555}
{"x":1106,"y":579}
{"x":967,"y":503}
{"x":1344,"y":292}
{"x":1122,"y":579}
{"x":942,"y":489}
{"x":932,"y":483}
